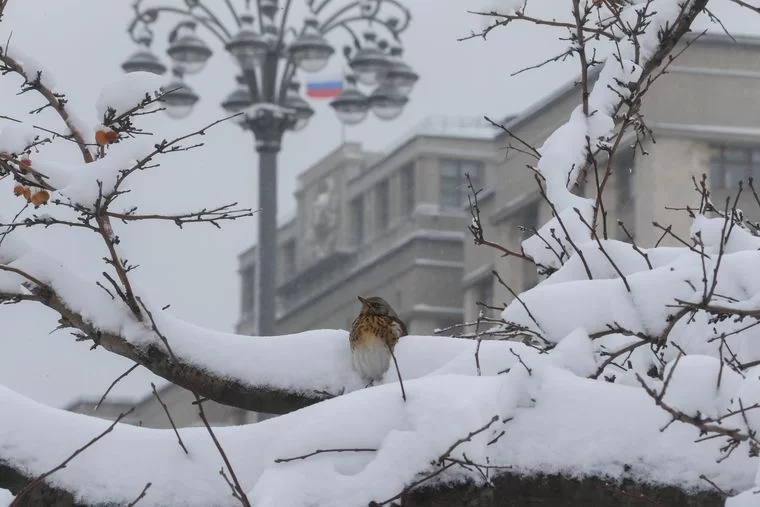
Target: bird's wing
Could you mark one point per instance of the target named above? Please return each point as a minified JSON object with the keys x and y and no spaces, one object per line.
{"x":401,"y":325}
{"x":353,"y":335}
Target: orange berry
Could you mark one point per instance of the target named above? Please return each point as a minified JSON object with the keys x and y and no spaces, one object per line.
{"x":108,"y":136}
{"x":40,"y":198}
{"x":100,"y":137}
{"x":112,"y":136}
{"x":18,"y":190}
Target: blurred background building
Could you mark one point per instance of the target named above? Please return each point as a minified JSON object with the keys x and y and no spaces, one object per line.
{"x":394,"y":224}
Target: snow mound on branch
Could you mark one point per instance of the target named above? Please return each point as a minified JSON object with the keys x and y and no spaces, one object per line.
{"x":711,"y":230}
{"x":6,"y":497}
{"x":127,"y":92}
{"x":566,"y":150}
{"x":576,"y":354}
{"x":32,"y":67}
{"x":700,"y":386}
{"x":84,"y":183}
{"x":303,"y":362}
{"x":569,"y":425}
{"x":16,"y":137}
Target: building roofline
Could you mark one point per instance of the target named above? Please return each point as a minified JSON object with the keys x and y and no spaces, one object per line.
{"x":723,"y":39}
{"x":548,"y":101}
{"x":343,"y":149}
{"x":714,"y":38}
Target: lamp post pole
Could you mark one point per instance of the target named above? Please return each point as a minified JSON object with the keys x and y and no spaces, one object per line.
{"x":268,"y":57}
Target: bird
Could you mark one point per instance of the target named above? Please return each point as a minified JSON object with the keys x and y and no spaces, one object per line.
{"x":374,"y":334}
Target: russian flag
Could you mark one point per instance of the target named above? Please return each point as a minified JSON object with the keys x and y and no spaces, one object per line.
{"x":324,"y":89}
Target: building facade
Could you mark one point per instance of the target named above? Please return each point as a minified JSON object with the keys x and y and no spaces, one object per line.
{"x":704,"y":115}
{"x":389,"y":225}
{"x":395,"y":224}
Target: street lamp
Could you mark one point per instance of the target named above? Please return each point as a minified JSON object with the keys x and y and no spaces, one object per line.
{"x":268,"y":52}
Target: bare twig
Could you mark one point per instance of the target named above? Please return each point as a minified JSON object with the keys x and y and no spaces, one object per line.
{"x":413,"y":485}
{"x":747,"y":5}
{"x":141,"y":496}
{"x":476,"y":227}
{"x":237,"y":490}
{"x":530,"y":372}
{"x":517,"y":297}
{"x":603,"y":250}
{"x":531,"y":149}
{"x":505,"y":19}
{"x":155,"y":330}
{"x":445,"y":461}
{"x":212,"y":216}
{"x":323,"y":451}
{"x":171,"y":421}
{"x":398,"y":372}
{"x":116,"y":381}
{"x":467,"y":438}
{"x":717,"y":488}
{"x":17,"y":502}
{"x":635,"y":246}
{"x":561,"y":223}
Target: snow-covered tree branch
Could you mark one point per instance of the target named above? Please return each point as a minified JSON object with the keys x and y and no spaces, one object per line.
{"x":647,"y":355}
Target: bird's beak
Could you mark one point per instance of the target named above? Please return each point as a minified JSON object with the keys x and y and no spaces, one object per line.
{"x":363,"y":301}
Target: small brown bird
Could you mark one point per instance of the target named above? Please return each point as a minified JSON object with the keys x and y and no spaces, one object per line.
{"x":373,"y":336}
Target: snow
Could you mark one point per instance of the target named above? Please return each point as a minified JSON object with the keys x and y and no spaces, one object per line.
{"x":576,"y":354}
{"x":287,"y":363}
{"x":127,"y":92}
{"x":32,"y":67}
{"x":573,"y":419}
{"x":694,"y":388}
{"x":540,"y":412}
{"x":565,"y":151}
{"x":5,"y":497}
{"x":16,"y":137}
{"x":81,"y":182}
{"x":561,"y":422}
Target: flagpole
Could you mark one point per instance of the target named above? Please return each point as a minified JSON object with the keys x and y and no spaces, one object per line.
{"x":328,"y":88}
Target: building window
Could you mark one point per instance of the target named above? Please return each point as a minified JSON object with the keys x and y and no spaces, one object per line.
{"x":289,"y":257}
{"x":408,"y":189}
{"x":729,"y":165}
{"x":622,"y":168}
{"x":454,"y":182}
{"x":382,"y":205}
{"x":357,"y":220}
{"x":247,"y":286}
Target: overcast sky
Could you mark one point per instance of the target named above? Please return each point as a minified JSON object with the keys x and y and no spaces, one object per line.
{"x":83,"y":43}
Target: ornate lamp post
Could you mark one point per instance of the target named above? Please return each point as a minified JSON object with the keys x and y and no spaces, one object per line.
{"x":269,"y":51}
